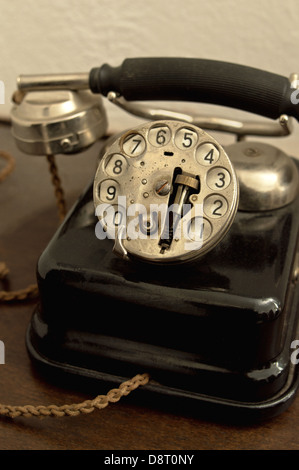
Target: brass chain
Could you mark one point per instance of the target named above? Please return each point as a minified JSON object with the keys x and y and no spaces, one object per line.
{"x":85,"y":407}
{"x":60,"y":201}
{"x":31,"y":291}
{"x":10,"y":165}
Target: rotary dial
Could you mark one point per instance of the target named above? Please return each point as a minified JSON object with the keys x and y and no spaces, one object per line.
{"x":166,"y":192}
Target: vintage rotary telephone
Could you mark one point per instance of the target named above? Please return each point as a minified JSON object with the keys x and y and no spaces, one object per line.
{"x":181,"y":258}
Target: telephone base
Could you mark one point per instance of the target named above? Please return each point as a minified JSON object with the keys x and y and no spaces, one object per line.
{"x":163,"y":397}
{"x":215,"y":337}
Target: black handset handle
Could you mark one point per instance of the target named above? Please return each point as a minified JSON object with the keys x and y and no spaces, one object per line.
{"x":199,"y":80}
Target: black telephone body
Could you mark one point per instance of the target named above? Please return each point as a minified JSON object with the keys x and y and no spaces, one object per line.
{"x":205,"y":297}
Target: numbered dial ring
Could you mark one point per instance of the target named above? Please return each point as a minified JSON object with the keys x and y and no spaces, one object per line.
{"x":166,"y":192}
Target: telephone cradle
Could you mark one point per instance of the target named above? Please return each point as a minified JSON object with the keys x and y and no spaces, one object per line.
{"x":215,"y":332}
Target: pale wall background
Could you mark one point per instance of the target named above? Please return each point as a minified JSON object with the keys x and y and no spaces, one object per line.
{"x":41,"y":36}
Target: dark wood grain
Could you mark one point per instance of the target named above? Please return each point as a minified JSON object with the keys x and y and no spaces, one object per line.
{"x":27,"y":221}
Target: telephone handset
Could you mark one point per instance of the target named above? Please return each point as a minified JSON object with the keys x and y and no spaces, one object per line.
{"x":181,"y":254}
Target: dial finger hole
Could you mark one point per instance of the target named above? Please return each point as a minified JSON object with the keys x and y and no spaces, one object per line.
{"x":218,"y":179}
{"x":111,"y":218}
{"x":134,"y":145}
{"x":199,"y":229}
{"x":159,"y":136}
{"x":116,"y":165}
{"x":108,"y":190}
{"x":207,"y":154}
{"x":185,"y":138}
{"x":215,"y":206}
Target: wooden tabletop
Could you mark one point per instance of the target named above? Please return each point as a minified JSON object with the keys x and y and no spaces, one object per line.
{"x":28,"y":218}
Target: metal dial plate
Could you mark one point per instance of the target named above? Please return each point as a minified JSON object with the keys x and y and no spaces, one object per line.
{"x":166,"y":192}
